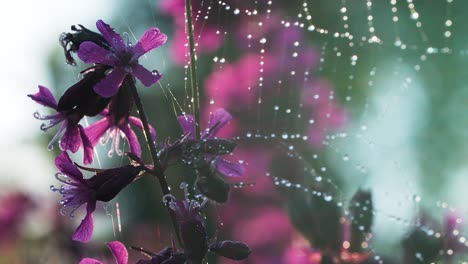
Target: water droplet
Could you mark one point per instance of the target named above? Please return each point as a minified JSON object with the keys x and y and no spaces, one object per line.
{"x":155,"y":73}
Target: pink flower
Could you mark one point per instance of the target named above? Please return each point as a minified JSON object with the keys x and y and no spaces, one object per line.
{"x":326,"y":113}
{"x":118,"y":250}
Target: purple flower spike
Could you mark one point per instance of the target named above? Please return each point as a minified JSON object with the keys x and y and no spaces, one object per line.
{"x":77,"y":190}
{"x":72,"y":133}
{"x":118,"y":250}
{"x":123,"y":57}
{"x":218,"y":119}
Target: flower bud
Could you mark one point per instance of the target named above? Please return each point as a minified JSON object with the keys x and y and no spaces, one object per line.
{"x":235,"y":250}
{"x":71,"y":41}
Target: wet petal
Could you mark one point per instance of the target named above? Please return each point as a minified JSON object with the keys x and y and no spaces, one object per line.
{"x":187,"y":122}
{"x":137,"y":122}
{"x":90,"y":261}
{"x":228,"y":168}
{"x":114,"y":39}
{"x":132,"y":140}
{"x":90,"y":52}
{"x":87,"y":146}
{"x":110,"y":84}
{"x":144,"y":75}
{"x":44,"y":97}
{"x":152,"y":39}
{"x":66,"y":166}
{"x":84,"y":232}
{"x":218,"y":120}
{"x":71,"y":140}
{"x":119,"y":251}
{"x":97,"y":130}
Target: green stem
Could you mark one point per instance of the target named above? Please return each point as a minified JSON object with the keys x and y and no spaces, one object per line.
{"x":194,"y":81}
{"x":193,"y":68}
{"x":158,"y":170}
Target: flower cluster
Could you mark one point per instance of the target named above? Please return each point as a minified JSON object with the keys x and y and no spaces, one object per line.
{"x":193,"y":236}
{"x":103,"y":90}
{"x":108,"y":89}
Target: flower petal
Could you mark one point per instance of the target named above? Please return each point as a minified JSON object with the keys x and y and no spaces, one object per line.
{"x":97,"y":130}
{"x":119,"y":251}
{"x":153,"y":38}
{"x":144,"y":75}
{"x":44,"y":97}
{"x":217,"y":121}
{"x":132,"y":139}
{"x":187,"y":122}
{"x":228,"y":168}
{"x":84,"y":232}
{"x":137,"y":122}
{"x":87,"y":146}
{"x":90,"y":52}
{"x":90,"y":261}
{"x":66,"y":166}
{"x":109,"y":86}
{"x":114,"y":39}
{"x":71,"y":139}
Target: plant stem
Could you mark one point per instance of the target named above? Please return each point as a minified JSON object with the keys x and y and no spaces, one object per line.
{"x":157,"y":171}
{"x":193,"y":68}
{"x":194,"y":82}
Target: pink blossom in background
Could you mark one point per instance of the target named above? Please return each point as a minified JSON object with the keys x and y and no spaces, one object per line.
{"x":236,"y":85}
{"x":327,"y":114}
{"x":13,"y":209}
{"x":453,"y":228}
{"x":301,"y":254}
{"x":257,"y":162}
{"x":256,"y":230}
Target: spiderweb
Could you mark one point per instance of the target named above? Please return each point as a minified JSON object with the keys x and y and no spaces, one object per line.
{"x":342,"y":94}
{"x":352,"y":80}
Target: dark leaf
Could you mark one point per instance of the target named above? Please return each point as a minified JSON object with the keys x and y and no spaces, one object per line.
{"x":214,"y":188}
{"x":235,"y":250}
{"x":318,"y":220}
{"x":361,"y":215}
{"x":215,"y":146}
{"x":419,"y":247}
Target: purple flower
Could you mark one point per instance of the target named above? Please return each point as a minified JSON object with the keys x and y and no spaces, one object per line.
{"x":116,"y":129}
{"x":77,"y":190}
{"x":123,"y":57}
{"x":218,"y":120}
{"x":191,"y":225}
{"x":118,"y":250}
{"x":73,"y":134}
